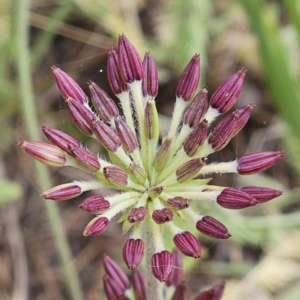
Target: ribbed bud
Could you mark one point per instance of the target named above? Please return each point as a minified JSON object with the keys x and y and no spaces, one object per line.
{"x":180,"y":292}
{"x":106,"y":136}
{"x":115,"y":77}
{"x":115,"y":176}
{"x":63,"y":192}
{"x":114,"y":271}
{"x":235,"y":199}
{"x":258,"y":162}
{"x":130,"y":62}
{"x":137,"y":214}
{"x":138,"y":173}
{"x":104,"y":105}
{"x":161,"y":156}
{"x":81,"y":116}
{"x":133,"y":252}
{"x":189,"y":79}
{"x":190,"y":169}
{"x":151,"y":121}
{"x":196,"y":109}
{"x":212,"y":227}
{"x":196,"y":138}
{"x":187,"y":244}
{"x":127,"y":136}
{"x":155,"y":191}
{"x":96,"y":226}
{"x":68,"y":86}
{"x":112,"y":290}
{"x":261,"y":194}
{"x":178,"y":203}
{"x":161,"y":216}
{"x":60,"y":139}
{"x":162,"y":264}
{"x":176,"y":275}
{"x":244,"y":115}
{"x":139,"y":285}
{"x":94,"y":204}
{"x":45,"y":153}
{"x":150,"y":79}
{"x":85,"y":157}
{"x":228,"y":92}
{"x":215,"y":293}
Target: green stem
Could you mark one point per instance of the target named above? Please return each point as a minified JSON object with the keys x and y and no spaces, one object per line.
{"x":28,"y":109}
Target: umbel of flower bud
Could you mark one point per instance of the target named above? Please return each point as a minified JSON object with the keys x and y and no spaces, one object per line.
{"x":153,"y":176}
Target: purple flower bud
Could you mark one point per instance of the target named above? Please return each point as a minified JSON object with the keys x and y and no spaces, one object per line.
{"x":258,"y":162}
{"x":212,"y":227}
{"x":133,"y":252}
{"x":196,"y":138}
{"x":106,"y":136}
{"x":111,"y":289}
{"x":228,"y":92}
{"x":68,"y":86}
{"x":189,"y":79}
{"x":162,"y":264}
{"x":161,"y":216}
{"x":178,"y":203}
{"x":190,"y":169}
{"x":215,"y":293}
{"x":161,"y":156}
{"x":104,"y":105}
{"x":138,"y":173}
{"x":196,"y":109}
{"x":150,"y":79}
{"x":45,"y":153}
{"x":187,"y":244}
{"x":115,"y":77}
{"x":96,"y":226}
{"x":235,"y":199}
{"x":63,"y":192}
{"x":115,"y":176}
{"x":244,"y":114}
{"x":139,"y":285}
{"x":155,"y":191}
{"x":176,"y":275}
{"x":180,"y":292}
{"x":94,"y":204}
{"x":127,"y":136}
{"x":151,"y":121}
{"x":137,"y":214}
{"x":60,"y":139}
{"x":130,"y":62}
{"x":261,"y":194}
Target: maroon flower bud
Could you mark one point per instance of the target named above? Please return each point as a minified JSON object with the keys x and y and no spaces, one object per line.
{"x":244,"y":114}
{"x":228,"y":92}
{"x":215,"y":293}
{"x":63,"y":192}
{"x":176,"y":275}
{"x":133,"y":252}
{"x":196,"y":109}
{"x":190,"y":169}
{"x":115,"y":176}
{"x":137,"y":214}
{"x":258,"y":162}
{"x":155,"y":191}
{"x":161,"y":156}
{"x":189,"y":79}
{"x":45,"y":153}
{"x":96,"y":226}
{"x":60,"y":139}
{"x":130,"y":62}
{"x":94,"y":204}
{"x":235,"y":199}
{"x":112,"y":290}
{"x":261,"y":194}
{"x":196,"y":138}
{"x":162,"y":264}
{"x":106,"y":136}
{"x":150,"y":79}
{"x":138,"y":173}
{"x":178,"y":203}
{"x":104,"y":105}
{"x":139,"y":285}
{"x":161,"y":216}
{"x":187,"y":244}
{"x":68,"y":86}
{"x":115,"y":77}
{"x":180,"y":292}
{"x":212,"y":227}
{"x":114,"y":271}
{"x":151,"y":121}
{"x":127,"y":136}
{"x":81,"y":116}
{"x":223,"y":132}
{"x":85,"y":157}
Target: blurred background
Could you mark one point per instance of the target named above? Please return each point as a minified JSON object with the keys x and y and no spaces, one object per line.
{"x":43,"y":253}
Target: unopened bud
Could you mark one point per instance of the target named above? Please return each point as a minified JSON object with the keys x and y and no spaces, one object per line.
{"x":161,"y":216}
{"x":212,"y":227}
{"x":96,"y":226}
{"x":63,"y":192}
{"x":162,"y":264}
{"x":176,"y":275}
{"x":261,"y":194}
{"x":161,"y":156}
{"x":139,"y":285}
{"x":137,"y":214}
{"x":151,"y":121}
{"x":150,"y":79}
{"x":178,"y":203}
{"x":138,"y":173}
{"x":190,"y":169}
{"x":133,"y":252}
{"x":155,"y":191}
{"x":187,"y":244}
{"x":115,"y":176}
{"x":94,"y":204}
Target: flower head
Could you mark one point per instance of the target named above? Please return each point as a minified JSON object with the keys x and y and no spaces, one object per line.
{"x":156,"y":179}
